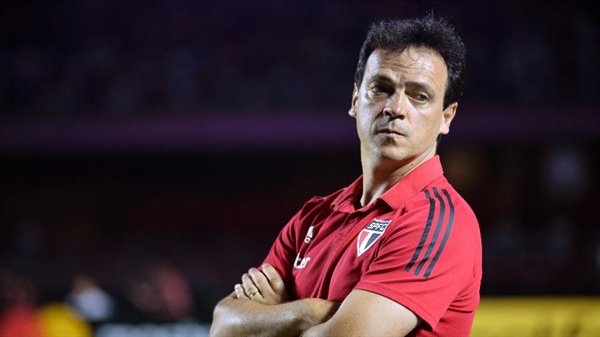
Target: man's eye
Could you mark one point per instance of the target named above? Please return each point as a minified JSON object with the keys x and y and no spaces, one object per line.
{"x":420,"y":97}
{"x":379,"y":89}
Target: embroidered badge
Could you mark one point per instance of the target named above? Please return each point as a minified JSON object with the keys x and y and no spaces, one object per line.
{"x":368,"y":236}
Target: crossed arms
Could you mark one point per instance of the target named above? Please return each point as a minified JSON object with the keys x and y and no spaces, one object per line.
{"x":259,"y":306}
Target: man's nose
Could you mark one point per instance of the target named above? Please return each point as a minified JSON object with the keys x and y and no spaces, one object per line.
{"x":395,"y":106}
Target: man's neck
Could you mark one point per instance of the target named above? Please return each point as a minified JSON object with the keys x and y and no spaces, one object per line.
{"x":381,"y":176}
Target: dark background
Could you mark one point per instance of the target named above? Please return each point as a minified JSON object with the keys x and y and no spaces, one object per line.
{"x":186,"y":133}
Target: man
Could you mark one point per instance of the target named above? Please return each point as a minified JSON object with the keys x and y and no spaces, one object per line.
{"x":397,"y":252}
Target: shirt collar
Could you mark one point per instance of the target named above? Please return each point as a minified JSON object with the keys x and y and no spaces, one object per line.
{"x":398,"y":194}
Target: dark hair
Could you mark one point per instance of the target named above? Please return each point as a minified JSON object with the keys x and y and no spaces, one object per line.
{"x":430,"y":32}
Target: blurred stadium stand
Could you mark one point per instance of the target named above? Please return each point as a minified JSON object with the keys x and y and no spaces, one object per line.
{"x":146,"y":143}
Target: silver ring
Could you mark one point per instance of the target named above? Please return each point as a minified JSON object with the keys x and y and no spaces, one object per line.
{"x":253,"y":294}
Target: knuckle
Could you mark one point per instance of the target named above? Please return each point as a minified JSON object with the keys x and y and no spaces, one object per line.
{"x":254,"y":272}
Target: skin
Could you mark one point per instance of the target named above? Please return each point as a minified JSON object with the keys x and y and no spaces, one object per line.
{"x":267,"y":313}
{"x":399,"y":114}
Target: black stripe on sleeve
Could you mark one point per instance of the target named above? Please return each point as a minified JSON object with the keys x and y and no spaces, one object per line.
{"x":425,"y":232}
{"x":436,"y":234}
{"x":446,"y":235}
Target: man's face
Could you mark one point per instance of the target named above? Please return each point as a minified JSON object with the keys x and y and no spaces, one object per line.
{"x":399,"y":106}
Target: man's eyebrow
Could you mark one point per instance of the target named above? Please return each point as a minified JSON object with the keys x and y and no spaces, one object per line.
{"x":421,"y":85}
{"x":380,"y":78}
{"x":414,"y":84}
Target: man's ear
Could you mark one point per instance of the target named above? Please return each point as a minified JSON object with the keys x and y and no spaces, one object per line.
{"x":352,"y":111}
{"x":447,"y":117}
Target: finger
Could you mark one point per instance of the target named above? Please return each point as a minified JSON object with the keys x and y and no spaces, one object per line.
{"x":274,"y":279}
{"x":239,"y":291}
{"x":259,"y":279}
{"x":249,"y":286}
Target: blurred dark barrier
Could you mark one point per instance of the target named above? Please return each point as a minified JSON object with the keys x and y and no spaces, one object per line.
{"x":179,"y":329}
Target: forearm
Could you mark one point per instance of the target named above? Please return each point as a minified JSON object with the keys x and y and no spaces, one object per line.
{"x":235,"y":317}
{"x":367,"y":314}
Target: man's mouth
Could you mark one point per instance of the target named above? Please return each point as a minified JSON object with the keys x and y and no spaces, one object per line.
{"x":391,"y":132}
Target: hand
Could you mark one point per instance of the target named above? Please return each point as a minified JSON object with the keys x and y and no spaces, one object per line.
{"x":264,"y":286}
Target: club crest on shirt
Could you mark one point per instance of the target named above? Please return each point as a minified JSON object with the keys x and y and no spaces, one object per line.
{"x":370,"y":234}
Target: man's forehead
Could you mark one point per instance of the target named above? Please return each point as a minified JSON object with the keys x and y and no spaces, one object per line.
{"x":420,"y":62}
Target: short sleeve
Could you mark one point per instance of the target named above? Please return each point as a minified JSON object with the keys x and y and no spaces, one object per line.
{"x":281,"y":254}
{"x":284,"y":250}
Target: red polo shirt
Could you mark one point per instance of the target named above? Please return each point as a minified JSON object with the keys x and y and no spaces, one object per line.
{"x":418,"y":244}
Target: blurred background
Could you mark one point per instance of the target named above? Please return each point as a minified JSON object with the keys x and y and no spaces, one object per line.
{"x":152,"y":150}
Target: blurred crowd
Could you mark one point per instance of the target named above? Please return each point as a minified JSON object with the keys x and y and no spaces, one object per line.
{"x":120,"y":59}
{"x":162,"y":295}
